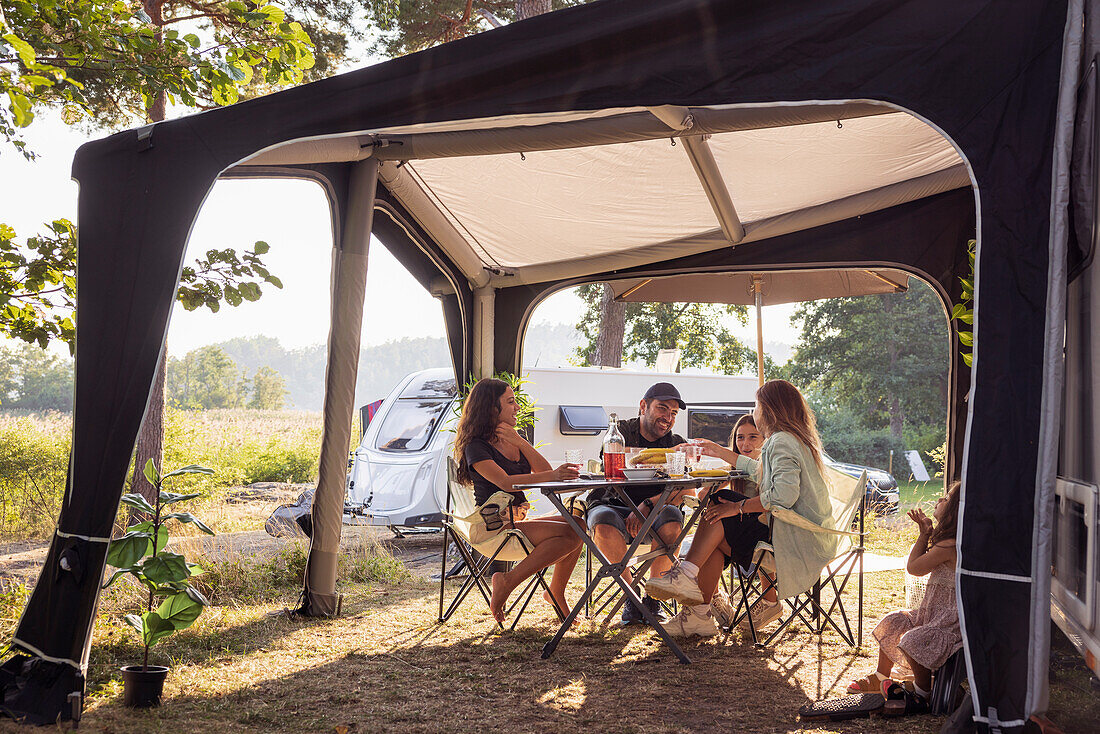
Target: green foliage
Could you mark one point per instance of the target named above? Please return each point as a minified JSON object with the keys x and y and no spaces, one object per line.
{"x":34,"y":379}
{"x":694,"y":328}
{"x":881,"y":358}
{"x":846,"y":439}
{"x":35,"y":453}
{"x":963,"y":311}
{"x":37,"y":284}
{"x":115,"y":60}
{"x":525,"y":405}
{"x":268,"y":390}
{"x":938,"y":458}
{"x":280,"y":461}
{"x":249,"y":579}
{"x":38,"y":287}
{"x":407,"y":25}
{"x":206,"y":378}
{"x":13,"y":600}
{"x":140,"y":553}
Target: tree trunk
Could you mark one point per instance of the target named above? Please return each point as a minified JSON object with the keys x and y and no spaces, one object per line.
{"x":150,"y":443}
{"x":897,"y":417}
{"x":150,"y":440}
{"x":609,"y":342}
{"x":531,"y":8}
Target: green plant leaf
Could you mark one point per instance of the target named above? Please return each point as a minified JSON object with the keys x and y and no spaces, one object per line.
{"x":135,"y":621}
{"x":155,"y":627}
{"x":126,"y":551}
{"x":189,"y":469}
{"x":22,"y":48}
{"x":967,"y":338}
{"x":170,"y":498}
{"x":138,"y":502}
{"x":189,"y":518}
{"x":181,"y":610}
{"x":151,"y":473}
{"x":115,"y":576}
{"x":166,"y":567}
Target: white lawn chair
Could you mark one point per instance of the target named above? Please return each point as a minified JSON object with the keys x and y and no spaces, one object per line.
{"x":846,"y":496}
{"x":481,"y":558}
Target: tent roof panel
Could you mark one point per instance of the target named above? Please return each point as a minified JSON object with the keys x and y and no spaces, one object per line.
{"x":577,"y":203}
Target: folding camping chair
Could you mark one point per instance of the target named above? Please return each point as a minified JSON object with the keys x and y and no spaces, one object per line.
{"x":847,"y":499}
{"x":509,"y":546}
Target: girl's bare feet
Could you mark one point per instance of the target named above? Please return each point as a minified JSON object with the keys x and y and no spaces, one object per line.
{"x":499,"y":597}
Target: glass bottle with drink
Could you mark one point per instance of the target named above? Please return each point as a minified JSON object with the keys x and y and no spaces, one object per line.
{"x":614,"y":450}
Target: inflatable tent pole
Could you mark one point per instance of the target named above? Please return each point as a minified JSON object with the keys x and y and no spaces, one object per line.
{"x":349,"y":281}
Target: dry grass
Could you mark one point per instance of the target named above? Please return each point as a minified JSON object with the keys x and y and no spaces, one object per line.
{"x":385,"y":665}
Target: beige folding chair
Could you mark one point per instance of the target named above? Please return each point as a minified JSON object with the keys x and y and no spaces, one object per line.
{"x":509,"y":546}
{"x":846,"y":495}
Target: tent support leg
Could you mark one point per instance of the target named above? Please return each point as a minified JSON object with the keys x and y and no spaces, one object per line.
{"x":349,"y":281}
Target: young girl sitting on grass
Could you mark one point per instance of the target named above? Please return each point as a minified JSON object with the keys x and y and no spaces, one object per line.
{"x":924,"y":638}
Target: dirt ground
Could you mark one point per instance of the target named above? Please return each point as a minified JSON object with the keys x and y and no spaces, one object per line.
{"x":386,"y":664}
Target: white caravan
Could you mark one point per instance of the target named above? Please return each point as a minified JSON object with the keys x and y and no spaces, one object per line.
{"x":398,"y":476}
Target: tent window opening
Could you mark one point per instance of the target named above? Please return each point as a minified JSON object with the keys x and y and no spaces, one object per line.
{"x":410,"y":424}
{"x":714,"y":423}
{"x":581,"y":420}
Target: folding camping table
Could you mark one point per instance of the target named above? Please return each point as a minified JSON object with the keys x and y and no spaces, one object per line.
{"x":554,"y":491}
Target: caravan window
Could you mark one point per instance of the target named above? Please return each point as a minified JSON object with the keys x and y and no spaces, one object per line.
{"x":715,"y":423}
{"x":410,"y":424}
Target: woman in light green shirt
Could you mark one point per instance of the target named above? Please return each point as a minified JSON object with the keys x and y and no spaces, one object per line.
{"x":790,"y":476}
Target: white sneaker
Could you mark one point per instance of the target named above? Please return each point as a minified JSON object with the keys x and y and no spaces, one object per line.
{"x":689,"y":622}
{"x":675,"y":584}
{"x":763,"y":613}
{"x":722,"y":608}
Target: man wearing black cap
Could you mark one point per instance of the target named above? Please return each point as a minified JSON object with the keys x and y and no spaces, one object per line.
{"x":612,"y":522}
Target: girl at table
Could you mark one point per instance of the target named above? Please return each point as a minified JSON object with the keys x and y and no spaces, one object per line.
{"x":493,"y":457}
{"x":790,"y":476}
{"x":924,"y":638}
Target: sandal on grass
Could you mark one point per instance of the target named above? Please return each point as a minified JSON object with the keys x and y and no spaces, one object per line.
{"x":871,"y":684}
{"x":901,"y":701}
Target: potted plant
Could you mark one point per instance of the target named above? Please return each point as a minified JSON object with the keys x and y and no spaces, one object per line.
{"x":141,"y":553}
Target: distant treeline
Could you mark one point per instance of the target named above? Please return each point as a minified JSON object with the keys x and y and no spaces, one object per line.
{"x":231,"y":373}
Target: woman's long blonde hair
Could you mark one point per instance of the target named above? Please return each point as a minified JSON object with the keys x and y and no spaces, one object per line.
{"x":782,"y":408}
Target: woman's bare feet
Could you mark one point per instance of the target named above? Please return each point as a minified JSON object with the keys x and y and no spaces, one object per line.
{"x":499,"y":597}
{"x":562,"y":604}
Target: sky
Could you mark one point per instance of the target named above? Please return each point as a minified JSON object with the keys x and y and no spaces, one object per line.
{"x":292,"y":217}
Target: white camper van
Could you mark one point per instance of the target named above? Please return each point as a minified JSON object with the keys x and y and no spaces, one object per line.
{"x":398,"y":476}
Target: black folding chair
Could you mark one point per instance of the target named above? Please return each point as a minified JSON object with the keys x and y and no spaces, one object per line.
{"x":482,"y":560}
{"x":808,"y":607}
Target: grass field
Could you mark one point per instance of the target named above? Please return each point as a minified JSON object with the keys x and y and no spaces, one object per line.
{"x":241,"y":446}
{"x":386,"y":665}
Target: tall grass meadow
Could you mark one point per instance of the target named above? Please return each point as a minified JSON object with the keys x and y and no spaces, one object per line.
{"x":241,"y":446}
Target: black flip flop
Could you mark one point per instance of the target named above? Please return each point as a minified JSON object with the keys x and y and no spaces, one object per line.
{"x":900,"y":702}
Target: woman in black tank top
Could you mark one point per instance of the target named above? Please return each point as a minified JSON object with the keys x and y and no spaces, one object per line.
{"x":492,"y":456}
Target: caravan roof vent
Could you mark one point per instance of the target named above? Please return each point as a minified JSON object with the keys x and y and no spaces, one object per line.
{"x":581,"y":420}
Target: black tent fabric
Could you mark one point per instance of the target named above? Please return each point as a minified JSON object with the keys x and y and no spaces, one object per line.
{"x":984,"y":72}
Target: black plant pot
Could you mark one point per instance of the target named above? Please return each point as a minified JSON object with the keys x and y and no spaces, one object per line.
{"x":141,"y":688}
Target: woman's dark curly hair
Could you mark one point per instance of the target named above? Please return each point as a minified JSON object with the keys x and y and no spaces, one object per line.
{"x":946,"y":529}
{"x":480,"y":416}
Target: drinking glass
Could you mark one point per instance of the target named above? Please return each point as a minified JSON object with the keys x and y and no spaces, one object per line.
{"x":676,"y":461}
{"x":574,"y":456}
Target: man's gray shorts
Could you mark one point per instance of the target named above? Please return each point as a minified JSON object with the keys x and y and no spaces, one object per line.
{"x":615,"y":516}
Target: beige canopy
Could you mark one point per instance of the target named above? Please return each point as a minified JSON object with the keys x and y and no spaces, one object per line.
{"x":533,"y":198}
{"x":782,"y":286}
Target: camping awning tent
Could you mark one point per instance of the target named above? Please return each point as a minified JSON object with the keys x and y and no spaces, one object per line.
{"x":500,"y":168}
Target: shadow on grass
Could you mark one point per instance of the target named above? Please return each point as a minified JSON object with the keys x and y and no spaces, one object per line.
{"x":387,"y":665}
